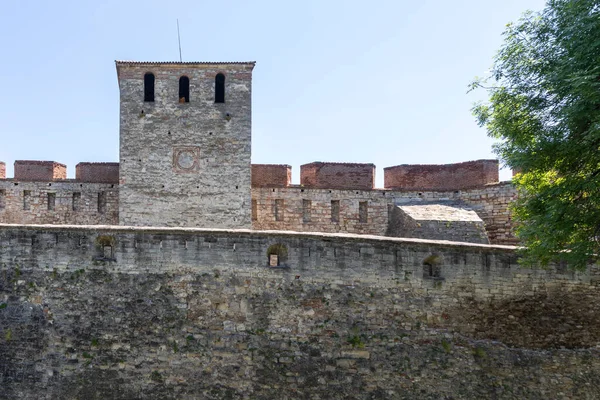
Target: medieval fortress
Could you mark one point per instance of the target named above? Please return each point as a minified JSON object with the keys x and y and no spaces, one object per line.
{"x":184,"y":272}
{"x":185,"y":148}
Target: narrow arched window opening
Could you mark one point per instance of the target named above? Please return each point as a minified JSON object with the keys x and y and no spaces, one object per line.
{"x":220,"y":88}
{"x":149,"y":87}
{"x":184,"y":89}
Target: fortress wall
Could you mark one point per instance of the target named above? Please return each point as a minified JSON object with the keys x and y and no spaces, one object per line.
{"x":294,"y":215}
{"x":2,"y":170}
{"x":27,"y":170}
{"x":492,"y":205}
{"x":327,"y":175}
{"x":490,"y":202}
{"x":134,"y":313}
{"x":271,"y":175}
{"x":97,"y":172}
{"x":457,"y":176}
{"x":58,"y":202}
{"x":299,"y":209}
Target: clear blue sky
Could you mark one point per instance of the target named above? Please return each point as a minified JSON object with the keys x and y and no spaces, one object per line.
{"x":348,"y":81}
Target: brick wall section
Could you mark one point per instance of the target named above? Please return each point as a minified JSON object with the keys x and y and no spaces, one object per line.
{"x":101,"y":172}
{"x":489,"y":202}
{"x":26,"y":170}
{"x":271,"y":175}
{"x":2,"y":170}
{"x":458,"y":176}
{"x":86,"y":196}
{"x":326,"y":175}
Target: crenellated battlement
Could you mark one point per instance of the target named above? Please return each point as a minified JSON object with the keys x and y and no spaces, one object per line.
{"x":51,"y":171}
{"x":315,"y":175}
{"x":361,"y":176}
{"x":333,"y":197}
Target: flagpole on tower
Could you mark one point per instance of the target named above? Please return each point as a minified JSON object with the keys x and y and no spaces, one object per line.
{"x":179,"y":40}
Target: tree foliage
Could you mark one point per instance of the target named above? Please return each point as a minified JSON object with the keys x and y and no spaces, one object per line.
{"x":544,"y":109}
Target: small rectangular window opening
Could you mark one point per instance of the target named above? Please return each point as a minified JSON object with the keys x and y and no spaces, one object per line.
{"x":2,"y":199}
{"x":76,"y":201}
{"x":254,"y":210}
{"x":279,"y":210}
{"x":102,"y":202}
{"x":306,"y":210}
{"x":149,"y":87}
{"x":335,"y":211}
{"x":26,"y":199}
{"x":51,"y":201}
{"x":363,"y":212}
{"x":184,"y":89}
{"x":220,"y":88}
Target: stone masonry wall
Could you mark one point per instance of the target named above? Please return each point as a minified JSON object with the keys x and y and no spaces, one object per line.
{"x":310,"y":210}
{"x":300,"y":209}
{"x":26,"y":170}
{"x":133,"y":313}
{"x":2,"y":170}
{"x":327,"y":175}
{"x":185,"y":163}
{"x":271,"y":175}
{"x":492,"y":205}
{"x":457,"y":176}
{"x":98,"y":172}
{"x":58,"y":202}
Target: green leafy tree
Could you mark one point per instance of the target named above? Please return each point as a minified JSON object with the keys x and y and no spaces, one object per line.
{"x":544,"y":109}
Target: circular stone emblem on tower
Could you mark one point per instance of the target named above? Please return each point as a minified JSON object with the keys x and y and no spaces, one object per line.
{"x":185,"y":159}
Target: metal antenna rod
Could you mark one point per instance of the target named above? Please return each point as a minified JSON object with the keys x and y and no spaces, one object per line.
{"x":179,"y":40}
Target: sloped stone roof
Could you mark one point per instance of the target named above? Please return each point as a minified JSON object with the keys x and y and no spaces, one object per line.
{"x":440,"y":212}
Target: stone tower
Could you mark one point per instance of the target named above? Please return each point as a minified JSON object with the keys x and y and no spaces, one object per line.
{"x":185,"y":135}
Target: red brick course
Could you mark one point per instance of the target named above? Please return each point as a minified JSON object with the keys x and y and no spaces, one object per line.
{"x":326,"y":175}
{"x":271,"y":175}
{"x":101,"y":172}
{"x":27,"y":170}
{"x":465,"y":175}
{"x":2,"y":170}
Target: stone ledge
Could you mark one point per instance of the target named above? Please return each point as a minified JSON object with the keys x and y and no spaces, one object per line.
{"x":251,"y":232}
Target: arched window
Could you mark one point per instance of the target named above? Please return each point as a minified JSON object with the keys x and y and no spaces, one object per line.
{"x":149,"y":87}
{"x":184,"y":89}
{"x":220,"y":88}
